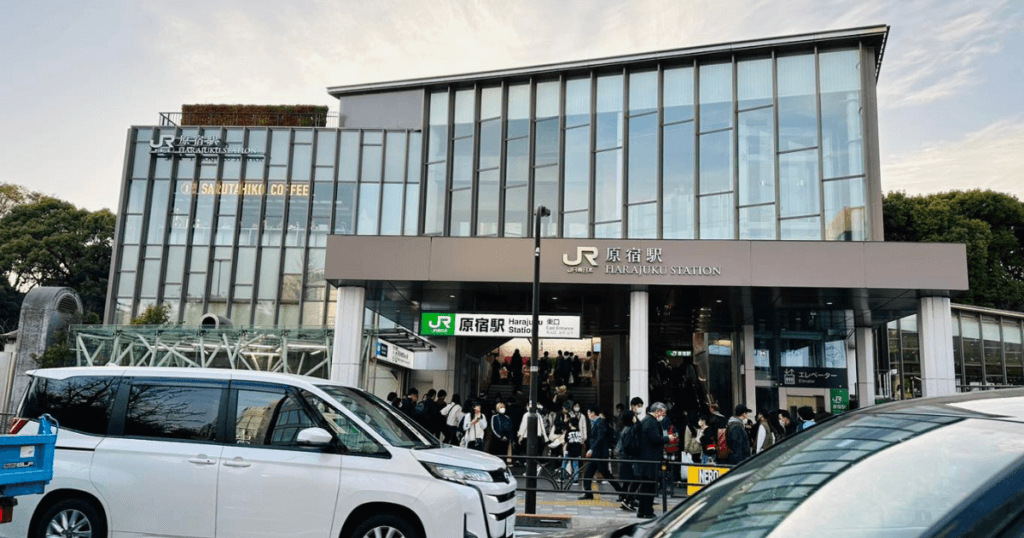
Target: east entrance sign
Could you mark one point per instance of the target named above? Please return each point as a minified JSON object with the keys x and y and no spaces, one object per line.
{"x":505,"y":325}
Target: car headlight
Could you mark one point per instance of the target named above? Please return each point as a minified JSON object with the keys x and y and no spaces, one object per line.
{"x":457,"y":474}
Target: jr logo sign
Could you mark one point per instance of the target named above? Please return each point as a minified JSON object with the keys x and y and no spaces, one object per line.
{"x":582,"y":253}
{"x":433,"y":324}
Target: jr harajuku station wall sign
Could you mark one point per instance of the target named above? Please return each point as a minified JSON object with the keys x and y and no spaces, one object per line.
{"x":506,"y":325}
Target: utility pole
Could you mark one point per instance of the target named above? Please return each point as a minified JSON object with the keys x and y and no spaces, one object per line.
{"x":531,"y":425}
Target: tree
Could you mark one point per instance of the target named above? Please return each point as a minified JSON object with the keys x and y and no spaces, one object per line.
{"x":12,"y":196}
{"x":154,"y":315}
{"x":990,"y":224}
{"x":50,"y":242}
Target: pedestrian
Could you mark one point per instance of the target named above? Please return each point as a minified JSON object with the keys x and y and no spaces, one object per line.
{"x":474,"y":428}
{"x":544,"y":370}
{"x":542,"y":428}
{"x":495,"y":369}
{"x":567,"y":425}
{"x":393,"y":398}
{"x":765,"y":436}
{"x":806,"y":414}
{"x":577,"y":370}
{"x":515,"y":412}
{"x":774,"y":421}
{"x":628,"y":449}
{"x":708,"y":436}
{"x":501,"y":432}
{"x":652,"y":446}
{"x":408,"y":404}
{"x":736,"y":437}
{"x":601,"y":438}
{"x":425,"y":413}
{"x":637,"y":405}
{"x":452,"y":414}
{"x":516,"y":370}
{"x":564,"y":369}
{"x":786,"y":420}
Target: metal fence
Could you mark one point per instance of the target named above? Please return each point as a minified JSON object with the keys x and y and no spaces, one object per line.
{"x":242,"y":119}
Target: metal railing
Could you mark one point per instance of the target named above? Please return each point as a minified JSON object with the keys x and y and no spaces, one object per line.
{"x":248,"y":119}
{"x":567,"y":476}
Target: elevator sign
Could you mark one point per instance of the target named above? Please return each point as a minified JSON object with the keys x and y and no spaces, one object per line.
{"x":504,"y":325}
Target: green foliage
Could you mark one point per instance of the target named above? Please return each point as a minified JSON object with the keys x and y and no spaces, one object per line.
{"x":12,"y":196}
{"x":255,"y":115}
{"x":154,"y":315}
{"x":59,"y":354}
{"x":990,"y":224}
{"x":50,"y":242}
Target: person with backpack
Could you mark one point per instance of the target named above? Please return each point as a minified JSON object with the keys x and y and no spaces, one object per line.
{"x":408,"y":404}
{"x":708,"y":436}
{"x":452,"y":414}
{"x":736,"y":438}
{"x":602,"y":437}
{"x":628,"y":449}
{"x":425,"y":412}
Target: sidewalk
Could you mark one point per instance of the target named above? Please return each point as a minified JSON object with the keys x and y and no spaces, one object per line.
{"x":602,"y":511}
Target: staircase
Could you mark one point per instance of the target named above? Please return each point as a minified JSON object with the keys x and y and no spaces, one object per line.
{"x":585,"y":396}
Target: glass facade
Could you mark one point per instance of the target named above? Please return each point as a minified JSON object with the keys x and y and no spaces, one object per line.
{"x":762,"y":145}
{"x":987,"y":353}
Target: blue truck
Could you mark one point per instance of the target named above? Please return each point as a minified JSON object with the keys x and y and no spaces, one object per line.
{"x":26,"y":465}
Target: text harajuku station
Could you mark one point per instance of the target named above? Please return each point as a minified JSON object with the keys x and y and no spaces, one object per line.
{"x":716,"y":220}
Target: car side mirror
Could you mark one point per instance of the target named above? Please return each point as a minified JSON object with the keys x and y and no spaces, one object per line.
{"x":314,"y":436}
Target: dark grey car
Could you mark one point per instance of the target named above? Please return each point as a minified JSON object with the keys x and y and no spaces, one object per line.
{"x":934,"y":467}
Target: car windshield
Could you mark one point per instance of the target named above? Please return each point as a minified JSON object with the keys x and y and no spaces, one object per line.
{"x":874,"y":475}
{"x":397,"y":429}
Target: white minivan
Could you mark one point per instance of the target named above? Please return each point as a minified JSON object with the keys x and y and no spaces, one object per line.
{"x":203,"y":453}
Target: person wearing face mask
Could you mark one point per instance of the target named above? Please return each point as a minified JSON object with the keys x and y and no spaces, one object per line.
{"x":568,"y":423}
{"x":474,"y":426}
{"x":501,"y":430}
{"x":637,"y":405}
{"x":652,"y":445}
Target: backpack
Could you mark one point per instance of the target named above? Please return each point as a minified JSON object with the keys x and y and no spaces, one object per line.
{"x":420,"y":411}
{"x":631,"y":441}
{"x":722,"y":446}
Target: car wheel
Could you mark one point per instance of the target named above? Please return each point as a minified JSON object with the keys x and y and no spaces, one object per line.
{"x":71,"y":518}
{"x":385,"y":526}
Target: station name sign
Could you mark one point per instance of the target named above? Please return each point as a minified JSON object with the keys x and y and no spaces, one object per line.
{"x":505,"y":325}
{"x":630,"y":261}
{"x":203,"y":147}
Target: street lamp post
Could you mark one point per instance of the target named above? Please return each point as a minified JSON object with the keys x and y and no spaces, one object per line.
{"x":531,"y":424}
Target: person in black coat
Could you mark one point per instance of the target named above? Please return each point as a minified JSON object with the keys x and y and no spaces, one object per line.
{"x":736,"y":436}
{"x":563,"y":369}
{"x":652,"y":445}
{"x":577,"y":370}
{"x":602,"y":435}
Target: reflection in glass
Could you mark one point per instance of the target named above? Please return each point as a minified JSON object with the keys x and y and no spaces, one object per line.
{"x":608,"y":230}
{"x":845,"y":212}
{"x":643,"y":221}
{"x":487,"y":205}
{"x":518,"y":111}
{"x":643,"y":92}
{"x":517,"y":216}
{"x":326,"y":143}
{"x":715,"y":96}
{"x":716,"y":214}
{"x":643,"y":159}
{"x":344,"y":208}
{"x":677,"y":181}
{"x":547,"y":142}
{"x":608,"y":186}
{"x":158,"y":212}
{"x":391,"y":209}
{"x":678,"y":94}
{"x":184,"y":413}
{"x":465,"y":101}
{"x":270,"y":268}
{"x":137,"y":195}
{"x":757,"y":222}
{"x":433,"y":214}
{"x":545,"y":193}
{"x":437,"y":140}
{"x":348,"y":168}
{"x":798,"y":183}
{"x":576,"y":225}
{"x":517,"y":162}
{"x":369,"y":198}
{"x":841,"y":142}
{"x":490,"y":144}
{"x":716,"y":162}
{"x":412,"y":208}
{"x":462,"y":163}
{"x":577,"y":169}
{"x":371,"y":165}
{"x":757,"y":157}
{"x":609,"y":111}
{"x":547,"y":99}
{"x":301,"y":160}
{"x":798,"y":117}
{"x":490,"y":103}
{"x":805,"y":229}
{"x":577,"y":102}
{"x":462,"y":211}
{"x":754,"y":83}
{"x":394,"y":164}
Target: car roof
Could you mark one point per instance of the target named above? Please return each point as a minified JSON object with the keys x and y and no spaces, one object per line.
{"x":176,"y":372}
{"x":1003,"y":404}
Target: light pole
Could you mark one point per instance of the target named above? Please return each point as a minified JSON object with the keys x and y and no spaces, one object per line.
{"x":531,"y":421}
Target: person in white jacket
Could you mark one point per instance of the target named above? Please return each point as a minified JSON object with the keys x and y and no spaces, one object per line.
{"x":452,"y":414}
{"x":474,"y":427}
{"x":542,"y":431}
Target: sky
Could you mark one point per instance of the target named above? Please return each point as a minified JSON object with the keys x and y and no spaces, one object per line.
{"x":77,"y":75}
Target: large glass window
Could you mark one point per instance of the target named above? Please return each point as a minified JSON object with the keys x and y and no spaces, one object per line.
{"x":437,"y":154}
{"x":841,"y":143}
{"x":173,"y":412}
{"x":993,"y":351}
{"x":798,"y":114}
{"x":678,"y":98}
{"x":716,"y":217}
{"x":609,"y":112}
{"x":845,"y":210}
{"x":1013,"y":348}
{"x":754,"y":83}
{"x":715,"y":97}
{"x":517,"y":162}
{"x":798,"y":184}
{"x":757,"y":222}
{"x":972,"y":349}
{"x":716,"y":162}
{"x":677,"y":180}
{"x":576,"y":220}
{"x":608,"y":186}
{"x":756,"y":157}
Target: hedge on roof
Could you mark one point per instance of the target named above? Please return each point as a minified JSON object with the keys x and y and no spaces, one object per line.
{"x":255,"y":115}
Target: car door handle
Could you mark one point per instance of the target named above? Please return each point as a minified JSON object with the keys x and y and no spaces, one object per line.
{"x":202,"y":460}
{"x":237,"y":462}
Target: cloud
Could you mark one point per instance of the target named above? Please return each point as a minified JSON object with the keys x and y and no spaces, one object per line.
{"x":935,"y":48}
{"x":990,"y":158}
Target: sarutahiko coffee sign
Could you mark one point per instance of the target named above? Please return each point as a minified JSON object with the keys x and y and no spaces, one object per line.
{"x":203,"y":147}
{"x":630,"y":260}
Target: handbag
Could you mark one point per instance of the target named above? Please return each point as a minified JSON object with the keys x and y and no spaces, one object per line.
{"x":692,"y":443}
{"x":673,"y":445}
